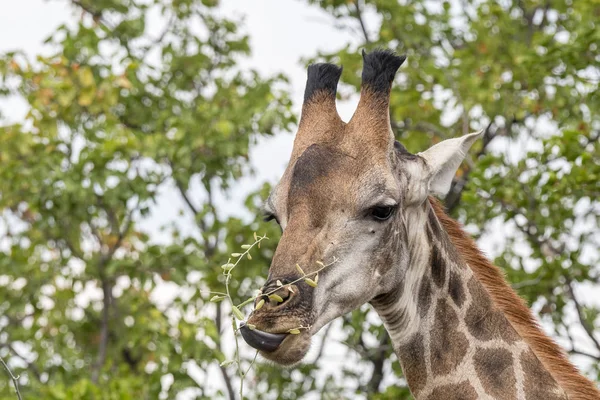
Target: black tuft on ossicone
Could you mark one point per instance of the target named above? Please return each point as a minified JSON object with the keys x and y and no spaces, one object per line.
{"x":379,"y":69}
{"x":322,"y":76}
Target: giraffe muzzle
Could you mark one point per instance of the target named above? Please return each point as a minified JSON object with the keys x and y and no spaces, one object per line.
{"x":263,"y":341}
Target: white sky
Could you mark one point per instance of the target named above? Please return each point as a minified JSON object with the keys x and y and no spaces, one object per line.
{"x":278,"y":43}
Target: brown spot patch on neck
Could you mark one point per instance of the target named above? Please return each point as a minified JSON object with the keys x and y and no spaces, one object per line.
{"x":438,"y":266}
{"x":539,"y":384}
{"x":456,"y":289}
{"x":458,"y":391}
{"x":424,"y":299}
{"x":552,"y":357}
{"x":484,"y":320}
{"x":413,"y":363}
{"x":448,"y":344}
{"x":496,"y":372}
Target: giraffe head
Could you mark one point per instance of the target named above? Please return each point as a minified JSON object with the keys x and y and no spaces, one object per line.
{"x":344,"y":202}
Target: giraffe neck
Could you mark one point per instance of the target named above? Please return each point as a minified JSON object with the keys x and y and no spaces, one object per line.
{"x":452,"y":341}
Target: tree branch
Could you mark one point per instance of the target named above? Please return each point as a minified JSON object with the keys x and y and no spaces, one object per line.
{"x":582,"y":353}
{"x":363,"y":27}
{"x":547,"y":248}
{"x":452,"y":200}
{"x":30,"y":366}
{"x":573,"y":350}
{"x":223,"y":369}
{"x":422,"y":126}
{"x":183,"y":193}
{"x":584,"y":323}
{"x":103,"y":345}
{"x":377,"y":357}
{"x":378,"y":360}
{"x":96,"y":15}
{"x":552,"y":250}
{"x":322,"y":346}
{"x":107,"y":298}
{"x":15,"y":379}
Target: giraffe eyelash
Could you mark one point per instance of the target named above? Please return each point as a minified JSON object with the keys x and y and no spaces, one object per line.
{"x":268,"y":216}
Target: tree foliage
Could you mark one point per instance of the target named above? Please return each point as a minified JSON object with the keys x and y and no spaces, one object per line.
{"x":117,"y":116}
{"x":120,"y":115}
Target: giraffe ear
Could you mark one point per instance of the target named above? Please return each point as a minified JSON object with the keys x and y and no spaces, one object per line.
{"x":443,"y":159}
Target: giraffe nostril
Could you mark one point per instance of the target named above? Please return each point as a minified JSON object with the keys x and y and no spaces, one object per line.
{"x":279,"y":297}
{"x":284,"y":295}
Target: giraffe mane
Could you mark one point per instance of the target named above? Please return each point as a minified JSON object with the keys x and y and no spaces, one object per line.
{"x":552,"y":356}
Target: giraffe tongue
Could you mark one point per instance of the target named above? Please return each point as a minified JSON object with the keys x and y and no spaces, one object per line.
{"x":260,"y":340}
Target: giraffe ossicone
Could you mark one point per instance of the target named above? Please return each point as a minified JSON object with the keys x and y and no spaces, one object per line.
{"x":351,"y":193}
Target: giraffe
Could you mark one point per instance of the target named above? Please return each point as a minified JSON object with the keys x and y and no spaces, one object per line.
{"x":356,"y":201}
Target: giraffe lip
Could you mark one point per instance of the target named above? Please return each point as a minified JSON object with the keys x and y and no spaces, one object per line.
{"x":263,"y":341}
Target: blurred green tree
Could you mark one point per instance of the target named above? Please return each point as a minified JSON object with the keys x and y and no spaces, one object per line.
{"x":116,"y":116}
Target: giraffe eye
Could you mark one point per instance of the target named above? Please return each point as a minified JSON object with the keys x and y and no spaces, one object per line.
{"x":382,"y":213}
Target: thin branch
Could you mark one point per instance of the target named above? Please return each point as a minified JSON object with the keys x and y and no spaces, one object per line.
{"x":107,"y":298}
{"x":30,"y":366}
{"x":322,"y":346}
{"x":123,"y":232}
{"x":583,"y":353}
{"x":251,"y":364}
{"x":161,"y":37}
{"x":209,"y":251}
{"x":14,"y":321}
{"x":452,"y":200}
{"x":527,"y":283}
{"x":96,"y":234}
{"x":378,"y":360}
{"x":544,"y":16}
{"x":103,"y":345}
{"x":112,"y":218}
{"x":573,"y":350}
{"x":423,"y":126}
{"x":76,"y":253}
{"x":223,"y":369}
{"x":210,"y":246}
{"x":363,"y":27}
{"x":528,"y":228}
{"x":187,"y":200}
{"x":15,"y":379}
{"x":584,"y":323}
{"x":377,"y":357}
{"x":96,"y":15}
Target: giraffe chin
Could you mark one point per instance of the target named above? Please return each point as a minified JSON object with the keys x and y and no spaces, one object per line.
{"x":291,"y":350}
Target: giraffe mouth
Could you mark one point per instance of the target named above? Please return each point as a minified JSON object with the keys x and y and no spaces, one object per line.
{"x":263,"y":341}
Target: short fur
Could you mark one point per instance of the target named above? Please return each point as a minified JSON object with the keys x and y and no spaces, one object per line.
{"x":548,"y":352}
